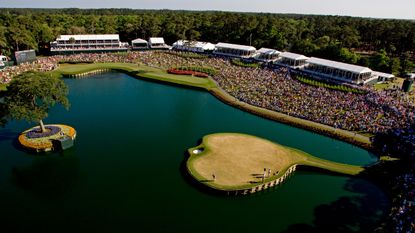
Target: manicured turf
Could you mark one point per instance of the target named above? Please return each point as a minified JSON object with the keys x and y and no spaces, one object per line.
{"x":140,"y":71}
{"x":238,"y":161}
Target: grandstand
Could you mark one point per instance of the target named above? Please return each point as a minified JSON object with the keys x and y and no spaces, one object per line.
{"x":292,"y":60}
{"x":234,"y":50}
{"x":87,"y":43}
{"x":157,"y":43}
{"x":338,"y":71}
{"x":383,"y":77}
{"x":267,"y":55}
{"x":194,"y":46}
{"x":139,"y":44}
{"x":3,"y":61}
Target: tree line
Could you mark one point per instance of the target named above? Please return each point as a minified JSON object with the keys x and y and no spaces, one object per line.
{"x":382,"y":44}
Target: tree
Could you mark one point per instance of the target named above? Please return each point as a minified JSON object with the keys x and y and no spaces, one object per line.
{"x":381,"y":61}
{"x":3,"y":114}
{"x":30,"y":96}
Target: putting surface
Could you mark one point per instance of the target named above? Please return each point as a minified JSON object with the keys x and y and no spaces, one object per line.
{"x":230,"y":161}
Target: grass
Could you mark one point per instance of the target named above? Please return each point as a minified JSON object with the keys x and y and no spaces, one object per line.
{"x":141,"y":71}
{"x":186,"y":54}
{"x":381,"y":86}
{"x":239,"y":62}
{"x":204,"y":69}
{"x":331,"y":86}
{"x":71,"y":69}
{"x":3,"y":87}
{"x":238,"y":161}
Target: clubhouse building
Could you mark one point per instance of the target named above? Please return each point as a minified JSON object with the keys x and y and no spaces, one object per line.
{"x":88,"y":43}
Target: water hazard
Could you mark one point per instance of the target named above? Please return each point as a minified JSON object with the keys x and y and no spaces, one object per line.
{"x":124,"y":173}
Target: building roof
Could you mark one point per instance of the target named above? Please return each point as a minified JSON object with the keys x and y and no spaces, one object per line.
{"x":90,"y":37}
{"x":377,"y":73}
{"x":195,"y":44}
{"x":339,"y":65}
{"x":156,"y":40}
{"x":139,"y":40}
{"x":235,"y":46}
{"x":268,"y":51}
{"x":293,"y":56}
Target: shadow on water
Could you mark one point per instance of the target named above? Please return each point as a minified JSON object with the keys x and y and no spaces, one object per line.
{"x":360,"y":213}
{"x":48,"y":176}
{"x":7,"y":135}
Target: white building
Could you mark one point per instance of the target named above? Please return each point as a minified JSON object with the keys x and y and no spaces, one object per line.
{"x":234,"y":50}
{"x":139,"y":44}
{"x":3,"y":61}
{"x":338,"y":71}
{"x":267,"y":55}
{"x":382,"y":77}
{"x":193,"y":46}
{"x":292,"y":60}
{"x":88,"y":43}
{"x":157,"y":43}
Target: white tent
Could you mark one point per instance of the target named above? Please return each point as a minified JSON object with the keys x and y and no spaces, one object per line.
{"x":157,"y":43}
{"x":193,"y":46}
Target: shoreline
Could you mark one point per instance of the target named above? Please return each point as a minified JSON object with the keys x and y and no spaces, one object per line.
{"x":299,"y":159}
{"x":212,"y":87}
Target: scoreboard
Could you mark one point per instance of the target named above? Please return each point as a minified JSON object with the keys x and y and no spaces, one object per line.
{"x":25,"y":56}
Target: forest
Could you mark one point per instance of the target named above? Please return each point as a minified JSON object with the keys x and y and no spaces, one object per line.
{"x":382,"y":44}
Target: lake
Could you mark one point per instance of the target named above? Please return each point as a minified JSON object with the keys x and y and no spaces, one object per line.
{"x":125,"y":172}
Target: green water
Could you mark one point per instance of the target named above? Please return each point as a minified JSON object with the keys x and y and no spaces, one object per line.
{"x":125,"y":172}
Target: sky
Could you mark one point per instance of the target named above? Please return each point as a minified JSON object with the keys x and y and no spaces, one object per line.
{"x":399,"y":9}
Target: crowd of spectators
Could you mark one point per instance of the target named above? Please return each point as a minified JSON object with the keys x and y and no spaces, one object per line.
{"x":41,"y":64}
{"x":378,"y":112}
{"x":373,"y":112}
{"x":402,"y":215}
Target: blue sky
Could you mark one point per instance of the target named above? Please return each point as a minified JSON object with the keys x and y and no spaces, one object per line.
{"x":402,"y":9}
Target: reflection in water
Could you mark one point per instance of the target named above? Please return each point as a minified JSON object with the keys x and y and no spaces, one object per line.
{"x":347,"y":214}
{"x":48,"y":176}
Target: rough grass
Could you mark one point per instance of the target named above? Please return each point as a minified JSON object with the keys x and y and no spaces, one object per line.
{"x":3,"y":87}
{"x":238,"y":161}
